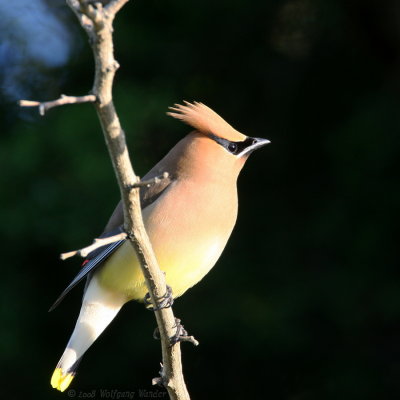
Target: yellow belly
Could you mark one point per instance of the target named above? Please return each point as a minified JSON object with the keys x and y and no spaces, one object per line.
{"x":122,"y":273}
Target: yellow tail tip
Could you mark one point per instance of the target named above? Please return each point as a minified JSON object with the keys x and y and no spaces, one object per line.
{"x":61,"y":381}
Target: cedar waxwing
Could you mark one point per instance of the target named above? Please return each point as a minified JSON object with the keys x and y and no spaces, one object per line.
{"x":188,"y":216}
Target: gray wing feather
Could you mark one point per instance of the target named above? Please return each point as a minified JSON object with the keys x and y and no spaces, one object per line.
{"x":86,"y":269}
{"x":148,"y":195}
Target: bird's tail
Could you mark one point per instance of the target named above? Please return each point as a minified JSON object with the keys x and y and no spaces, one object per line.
{"x":98,"y":309}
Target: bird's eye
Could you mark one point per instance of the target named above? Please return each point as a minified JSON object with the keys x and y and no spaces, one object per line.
{"x":232,"y":147}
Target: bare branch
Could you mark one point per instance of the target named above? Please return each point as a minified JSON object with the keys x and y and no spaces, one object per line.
{"x":98,"y":242}
{"x":46,"y":105}
{"x":190,"y":339}
{"x":97,"y":22}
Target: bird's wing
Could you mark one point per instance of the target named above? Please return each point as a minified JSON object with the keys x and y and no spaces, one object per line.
{"x":147,"y":196}
{"x":114,"y":226}
{"x":88,"y":267}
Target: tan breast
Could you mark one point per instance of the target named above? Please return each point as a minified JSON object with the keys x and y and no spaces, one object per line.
{"x":189,"y":226}
{"x":189,"y":229}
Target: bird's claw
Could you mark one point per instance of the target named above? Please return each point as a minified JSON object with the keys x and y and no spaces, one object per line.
{"x":181,"y":335}
{"x":165,"y":301}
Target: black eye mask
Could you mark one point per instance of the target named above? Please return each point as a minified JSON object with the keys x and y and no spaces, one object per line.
{"x":234,"y":147}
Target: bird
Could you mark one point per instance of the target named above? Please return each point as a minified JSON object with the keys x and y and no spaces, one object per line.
{"x":189,"y":217}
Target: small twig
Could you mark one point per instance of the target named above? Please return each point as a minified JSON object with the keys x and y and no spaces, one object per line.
{"x":190,"y":339}
{"x":149,"y":182}
{"x":159,"y":381}
{"x":114,"y":6}
{"x":46,"y":105}
{"x":98,"y":242}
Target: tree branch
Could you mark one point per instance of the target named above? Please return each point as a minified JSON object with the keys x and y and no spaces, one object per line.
{"x":46,"y":105}
{"x":97,"y":21}
{"x":98,"y":242}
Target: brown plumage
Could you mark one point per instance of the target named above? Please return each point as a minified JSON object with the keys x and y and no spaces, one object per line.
{"x":205,"y":120}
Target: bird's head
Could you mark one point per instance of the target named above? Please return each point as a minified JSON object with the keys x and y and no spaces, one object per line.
{"x":214,"y":139}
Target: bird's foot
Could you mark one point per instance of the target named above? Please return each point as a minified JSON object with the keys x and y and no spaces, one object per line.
{"x":181,"y":334}
{"x":165,"y":301}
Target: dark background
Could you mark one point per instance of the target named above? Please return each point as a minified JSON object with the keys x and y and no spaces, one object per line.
{"x":304,"y":302}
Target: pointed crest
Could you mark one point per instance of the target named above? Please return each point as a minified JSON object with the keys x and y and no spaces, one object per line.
{"x":205,"y":120}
